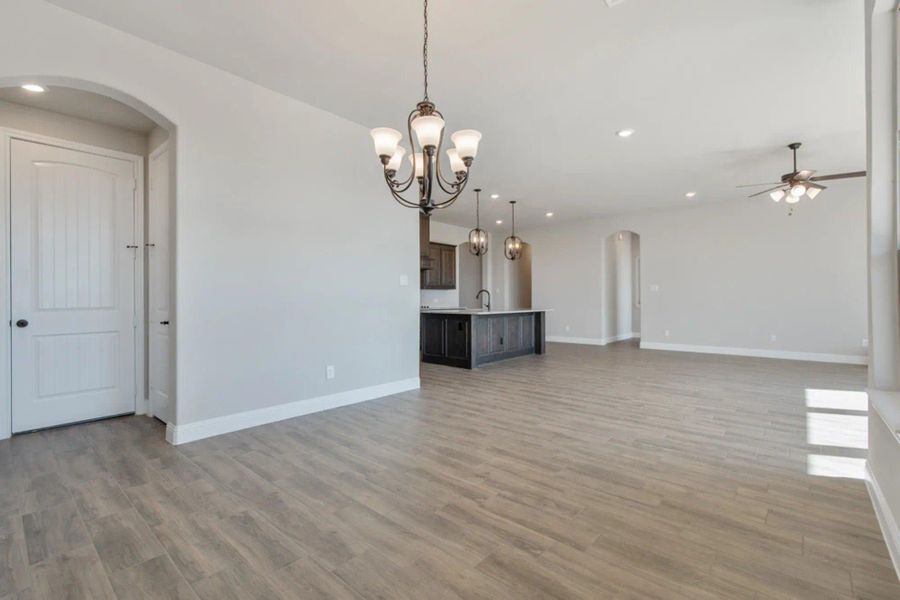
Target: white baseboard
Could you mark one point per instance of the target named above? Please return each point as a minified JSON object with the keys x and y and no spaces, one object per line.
{"x":189,"y":432}
{"x":850,"y":359}
{"x":889,"y":527}
{"x":560,"y":339}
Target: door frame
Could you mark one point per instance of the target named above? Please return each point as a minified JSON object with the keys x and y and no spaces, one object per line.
{"x":164,"y":147}
{"x":7,"y":135}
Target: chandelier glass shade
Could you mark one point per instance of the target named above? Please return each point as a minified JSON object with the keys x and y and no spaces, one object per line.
{"x":431,"y":189}
{"x":513,"y":245}
{"x":478,"y":238}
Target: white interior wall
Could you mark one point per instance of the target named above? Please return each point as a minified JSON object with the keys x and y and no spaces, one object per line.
{"x":271,"y":236}
{"x":884,"y":312}
{"x":52,"y":124}
{"x":727,"y":276}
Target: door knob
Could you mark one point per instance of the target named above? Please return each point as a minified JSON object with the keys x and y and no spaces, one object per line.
{"x":163,"y":322}
{"x":21,"y":323}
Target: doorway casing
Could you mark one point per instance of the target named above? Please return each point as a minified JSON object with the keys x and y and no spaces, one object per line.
{"x":6,"y":135}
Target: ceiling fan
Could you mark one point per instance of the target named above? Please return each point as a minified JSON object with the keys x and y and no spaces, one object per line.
{"x":796,"y":184}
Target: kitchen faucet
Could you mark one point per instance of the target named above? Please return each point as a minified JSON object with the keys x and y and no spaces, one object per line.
{"x":484,"y":291}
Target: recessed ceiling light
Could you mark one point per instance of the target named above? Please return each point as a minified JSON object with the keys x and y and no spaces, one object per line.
{"x":624,"y":133}
{"x":499,"y":221}
{"x":549,"y":214}
{"x":494,"y":196}
{"x":33,"y":87}
{"x":690,"y":194}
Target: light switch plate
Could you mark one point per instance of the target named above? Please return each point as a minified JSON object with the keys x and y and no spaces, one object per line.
{"x":654,"y":287}
{"x":329,"y":372}
{"x":404,"y":280}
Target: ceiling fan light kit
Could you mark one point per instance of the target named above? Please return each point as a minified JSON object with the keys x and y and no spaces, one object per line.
{"x":427,"y":123}
{"x":797,"y":184}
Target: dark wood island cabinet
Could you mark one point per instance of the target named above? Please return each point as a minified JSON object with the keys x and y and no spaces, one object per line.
{"x":470,"y":338}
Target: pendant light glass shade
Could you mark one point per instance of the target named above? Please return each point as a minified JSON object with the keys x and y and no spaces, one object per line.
{"x":798,"y":190}
{"x":812,"y":192}
{"x":428,"y":130}
{"x":512,"y":246}
{"x":456,"y":163}
{"x":418,"y":162}
{"x":396,"y":160}
{"x":466,"y":142}
{"x":386,"y":141}
{"x":478,"y":238}
{"x":777,"y":195}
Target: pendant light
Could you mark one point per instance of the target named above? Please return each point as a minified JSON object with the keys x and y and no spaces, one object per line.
{"x":478,"y":239}
{"x":512,"y":247}
{"x":426,"y":175}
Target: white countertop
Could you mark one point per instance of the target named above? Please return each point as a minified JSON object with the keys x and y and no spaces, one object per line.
{"x":480,"y":311}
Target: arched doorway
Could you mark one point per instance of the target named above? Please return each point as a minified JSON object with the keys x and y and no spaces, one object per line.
{"x":90,"y":260}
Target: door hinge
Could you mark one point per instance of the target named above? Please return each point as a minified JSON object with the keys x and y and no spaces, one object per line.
{"x":132,"y":246}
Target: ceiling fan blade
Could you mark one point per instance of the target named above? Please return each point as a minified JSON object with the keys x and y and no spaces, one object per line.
{"x":838,"y":176}
{"x":816,"y":186}
{"x":777,"y":187}
{"x":804,"y":174}
{"x":746,"y":185}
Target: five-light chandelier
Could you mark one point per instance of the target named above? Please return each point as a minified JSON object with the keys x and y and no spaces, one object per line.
{"x":428,"y":124}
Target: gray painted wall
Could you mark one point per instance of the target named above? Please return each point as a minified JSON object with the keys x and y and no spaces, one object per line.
{"x":729,"y":274}
{"x":272,"y":236}
{"x":45,"y":122}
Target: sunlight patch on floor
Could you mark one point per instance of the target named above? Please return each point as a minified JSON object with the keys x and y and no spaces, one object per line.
{"x":837,"y":419}
{"x":824,"y":465}
{"x":841,"y":431}
{"x":837,"y":399}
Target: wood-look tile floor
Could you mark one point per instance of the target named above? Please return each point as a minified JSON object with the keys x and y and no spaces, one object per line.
{"x":585,"y":473}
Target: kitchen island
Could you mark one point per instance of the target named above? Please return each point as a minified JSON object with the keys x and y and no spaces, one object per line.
{"x":469,"y":338}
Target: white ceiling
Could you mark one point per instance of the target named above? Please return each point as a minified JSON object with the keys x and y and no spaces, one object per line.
{"x":714,"y":88}
{"x":83,"y":105}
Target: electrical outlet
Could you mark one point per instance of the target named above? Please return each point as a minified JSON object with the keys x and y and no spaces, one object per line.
{"x":329,"y":372}
{"x":667,"y":333}
{"x":865,"y":343}
{"x":654,"y":287}
{"x":567,"y":328}
{"x":773,"y":338}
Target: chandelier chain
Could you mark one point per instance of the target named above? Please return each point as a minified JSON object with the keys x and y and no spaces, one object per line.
{"x":425,"y":50}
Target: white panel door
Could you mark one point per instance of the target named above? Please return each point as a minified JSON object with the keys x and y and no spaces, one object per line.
{"x":72,"y":285}
{"x":162,"y":405}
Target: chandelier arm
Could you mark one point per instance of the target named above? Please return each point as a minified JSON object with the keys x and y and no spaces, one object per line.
{"x":454,"y":185}
{"x":397,"y":186}
{"x":437,"y":165}
{"x":446,"y":203}
{"x":396,"y":183}
{"x":404,"y":202}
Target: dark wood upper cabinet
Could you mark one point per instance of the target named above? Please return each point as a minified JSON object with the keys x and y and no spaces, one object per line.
{"x":442,"y":272}
{"x":448,"y":267}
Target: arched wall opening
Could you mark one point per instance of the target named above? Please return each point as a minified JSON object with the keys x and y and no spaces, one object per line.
{"x":621,"y":304}
{"x":97,"y":121}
